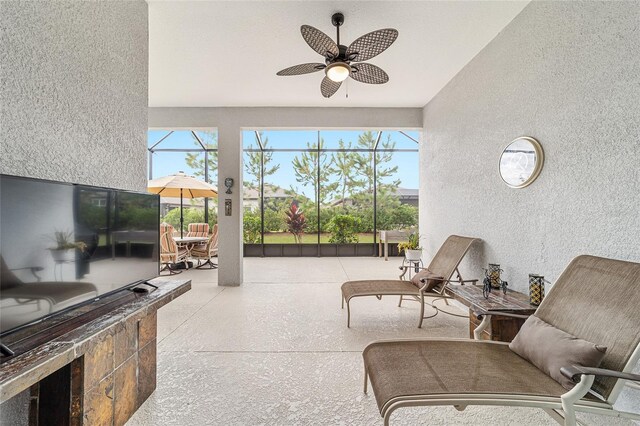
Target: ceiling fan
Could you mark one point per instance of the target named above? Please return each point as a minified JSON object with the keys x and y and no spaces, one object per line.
{"x":342,"y":62}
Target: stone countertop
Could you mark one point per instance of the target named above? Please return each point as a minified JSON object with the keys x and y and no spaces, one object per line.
{"x":24,"y":370}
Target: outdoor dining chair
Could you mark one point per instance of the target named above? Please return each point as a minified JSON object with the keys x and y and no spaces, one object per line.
{"x":171,"y":254}
{"x":198,"y":230}
{"x":207,"y":251}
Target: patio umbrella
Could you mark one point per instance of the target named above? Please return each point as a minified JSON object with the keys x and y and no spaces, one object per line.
{"x":183,"y":186}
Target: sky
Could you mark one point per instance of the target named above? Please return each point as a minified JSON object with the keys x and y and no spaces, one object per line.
{"x":166,"y":163}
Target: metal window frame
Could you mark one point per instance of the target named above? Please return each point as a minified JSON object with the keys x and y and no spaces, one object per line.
{"x":375,"y":150}
{"x":261,"y":148}
{"x":203,"y":149}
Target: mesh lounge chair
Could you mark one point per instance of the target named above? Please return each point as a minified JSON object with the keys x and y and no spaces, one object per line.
{"x":57,"y":294}
{"x":437,"y":276}
{"x":171,"y":254}
{"x":458,"y":372}
{"x":207,"y":251}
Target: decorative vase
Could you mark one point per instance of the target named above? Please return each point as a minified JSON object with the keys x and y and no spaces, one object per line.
{"x":493,"y":273}
{"x":536,"y":289}
{"x":413,"y":255}
{"x":63,"y":255}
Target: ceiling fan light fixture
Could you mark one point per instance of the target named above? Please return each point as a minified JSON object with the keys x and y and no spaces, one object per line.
{"x":338,"y":71}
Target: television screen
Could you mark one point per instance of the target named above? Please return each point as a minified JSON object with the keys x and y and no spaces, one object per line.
{"x":62,"y":245}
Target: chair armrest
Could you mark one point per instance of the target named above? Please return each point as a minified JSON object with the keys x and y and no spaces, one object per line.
{"x":502,"y":314}
{"x":33,"y":269}
{"x":575,"y":372}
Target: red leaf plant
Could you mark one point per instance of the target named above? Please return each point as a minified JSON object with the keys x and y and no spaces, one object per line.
{"x":296,"y":222}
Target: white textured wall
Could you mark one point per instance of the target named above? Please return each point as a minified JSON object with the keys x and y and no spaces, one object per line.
{"x":231,"y":121}
{"x":73,"y":91}
{"x":568,"y":74}
{"x":73,"y":100}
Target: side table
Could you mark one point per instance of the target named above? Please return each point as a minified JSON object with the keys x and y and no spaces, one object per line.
{"x":386,"y":237}
{"x":495,"y":327}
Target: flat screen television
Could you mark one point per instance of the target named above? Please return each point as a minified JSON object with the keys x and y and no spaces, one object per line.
{"x":63,"y":245}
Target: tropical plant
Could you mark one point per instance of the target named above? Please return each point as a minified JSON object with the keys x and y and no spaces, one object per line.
{"x":196,"y":161}
{"x":344,"y":168}
{"x":64,"y":241}
{"x":254,"y":161}
{"x":412,"y":243}
{"x":296,"y":222}
{"x":343,"y":229}
{"x":305,"y":168}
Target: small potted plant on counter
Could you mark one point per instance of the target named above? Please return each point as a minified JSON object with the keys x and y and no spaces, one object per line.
{"x":411,"y":248}
{"x":65,"y":249}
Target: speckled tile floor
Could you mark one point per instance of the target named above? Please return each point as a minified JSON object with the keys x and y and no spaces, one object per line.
{"x":276,"y":351}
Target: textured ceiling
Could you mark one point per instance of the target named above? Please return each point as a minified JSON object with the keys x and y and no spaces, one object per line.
{"x":223,"y":53}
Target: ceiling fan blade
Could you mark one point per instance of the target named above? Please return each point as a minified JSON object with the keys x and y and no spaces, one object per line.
{"x":328,"y":87}
{"x":319,"y":41}
{"x":302,"y":69}
{"x":367,"y":73}
{"x":372,"y":44}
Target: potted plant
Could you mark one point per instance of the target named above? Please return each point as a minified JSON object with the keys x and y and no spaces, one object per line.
{"x":65,"y":249}
{"x":411,"y":248}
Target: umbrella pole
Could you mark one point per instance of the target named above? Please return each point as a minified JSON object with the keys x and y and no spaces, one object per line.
{"x":181,"y":218}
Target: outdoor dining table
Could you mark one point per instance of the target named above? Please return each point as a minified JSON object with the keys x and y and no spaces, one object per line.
{"x":190,"y":242}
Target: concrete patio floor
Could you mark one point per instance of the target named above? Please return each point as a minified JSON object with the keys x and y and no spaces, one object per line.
{"x":276,"y":350}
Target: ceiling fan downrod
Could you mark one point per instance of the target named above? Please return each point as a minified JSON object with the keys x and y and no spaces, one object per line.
{"x":337,"y":19}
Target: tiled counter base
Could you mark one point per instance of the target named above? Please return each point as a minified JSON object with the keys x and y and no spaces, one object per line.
{"x":99,"y":373}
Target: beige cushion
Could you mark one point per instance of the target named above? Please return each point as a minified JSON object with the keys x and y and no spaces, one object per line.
{"x":432,"y":280}
{"x":550,"y":348}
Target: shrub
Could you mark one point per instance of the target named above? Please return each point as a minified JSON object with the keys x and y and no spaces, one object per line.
{"x":343,"y":229}
{"x":273,"y":220}
{"x":190,"y":215}
{"x":296,"y":222}
{"x":251,"y":227}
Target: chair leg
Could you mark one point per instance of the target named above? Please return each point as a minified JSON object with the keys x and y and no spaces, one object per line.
{"x":366,"y":377}
{"x":342,"y":300}
{"x":348,"y":314}
{"x":167,"y":267}
{"x":208,"y":262}
{"x":400,"y":302}
{"x":387,"y":417}
{"x":421,"y":310}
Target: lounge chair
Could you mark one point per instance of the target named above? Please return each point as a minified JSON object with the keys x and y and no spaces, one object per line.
{"x":430,"y":282}
{"x":170,"y":253}
{"x":594,"y":299}
{"x":207,"y":251}
{"x":30,"y":300}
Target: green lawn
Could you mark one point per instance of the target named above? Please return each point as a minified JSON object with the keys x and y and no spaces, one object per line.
{"x":287,"y":238}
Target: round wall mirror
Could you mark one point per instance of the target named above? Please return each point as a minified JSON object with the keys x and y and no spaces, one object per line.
{"x":521,"y":162}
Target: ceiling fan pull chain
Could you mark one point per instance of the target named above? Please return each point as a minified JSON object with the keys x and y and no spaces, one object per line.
{"x":347,"y":89}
